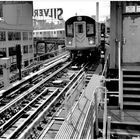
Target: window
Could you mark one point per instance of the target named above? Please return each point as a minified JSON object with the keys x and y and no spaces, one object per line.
{"x":80,"y":28}
{"x":30,"y":35}
{"x":70,"y":30}
{"x":13,"y":67}
{"x":14,"y":36}
{"x":17,"y":36}
{"x":26,"y":63}
{"x":12,"y":51}
{"x":13,"y":59}
{"x":10,"y":36}
{"x":90,"y":29}
{"x":30,"y":49}
{"x":2,"y":36}
{"x":25,"y":35}
{"x":108,"y":30}
{"x":25,"y":49}
{"x":2,"y":52}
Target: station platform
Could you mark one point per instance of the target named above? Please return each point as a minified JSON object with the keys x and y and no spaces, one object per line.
{"x":124,"y":123}
{"x":71,"y":127}
{"x":125,"y":115}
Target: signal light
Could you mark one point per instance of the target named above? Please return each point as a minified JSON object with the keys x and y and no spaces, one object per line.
{"x":102,"y":28}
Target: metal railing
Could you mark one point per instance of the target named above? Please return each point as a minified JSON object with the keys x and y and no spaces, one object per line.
{"x":99,"y":98}
{"x":120,"y":92}
{"x":90,"y":122}
{"x":104,"y":72}
{"x":120,"y":77}
{"x":106,"y":118}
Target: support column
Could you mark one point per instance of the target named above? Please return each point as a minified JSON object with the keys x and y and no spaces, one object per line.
{"x":113,"y":25}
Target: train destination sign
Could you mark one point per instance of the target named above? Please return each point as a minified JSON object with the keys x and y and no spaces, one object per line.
{"x":55,"y":13}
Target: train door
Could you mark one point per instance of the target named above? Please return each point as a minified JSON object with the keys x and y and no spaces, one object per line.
{"x":80,"y":33}
{"x":131,"y":39}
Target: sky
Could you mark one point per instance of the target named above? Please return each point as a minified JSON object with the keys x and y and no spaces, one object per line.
{"x":71,"y":7}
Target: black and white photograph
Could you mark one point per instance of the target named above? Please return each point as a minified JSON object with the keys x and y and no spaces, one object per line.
{"x":69,"y":69}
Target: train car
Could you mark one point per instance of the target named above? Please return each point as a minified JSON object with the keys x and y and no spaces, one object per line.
{"x":52,"y":33}
{"x":80,"y":38}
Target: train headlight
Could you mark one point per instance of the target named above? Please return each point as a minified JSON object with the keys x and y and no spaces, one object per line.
{"x":69,"y":42}
{"x":91,"y":42}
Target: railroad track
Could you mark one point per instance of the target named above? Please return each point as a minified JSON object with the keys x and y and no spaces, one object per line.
{"x":53,"y":127}
{"x":16,"y":108}
{"x":41,"y":106}
{"x":34,"y":68}
{"x":30,"y":81}
{"x":39,"y":129}
{"x":25,"y":93}
{"x":50,"y":113}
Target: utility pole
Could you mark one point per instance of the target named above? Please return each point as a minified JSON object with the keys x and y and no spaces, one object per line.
{"x":19,"y":60}
{"x":97,"y":22}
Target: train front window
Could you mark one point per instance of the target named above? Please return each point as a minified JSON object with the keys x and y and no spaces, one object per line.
{"x":80,"y":28}
{"x":90,"y":29}
{"x":70,"y":30}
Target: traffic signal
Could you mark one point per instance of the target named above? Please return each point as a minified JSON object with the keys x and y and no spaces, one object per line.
{"x":18,"y":55}
{"x":102,"y":28}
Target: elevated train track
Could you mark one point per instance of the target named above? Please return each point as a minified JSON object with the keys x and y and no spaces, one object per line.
{"x":28,"y":83}
{"x":24,"y":100}
{"x":39,"y":65}
{"x":38,"y":128}
{"x":58,"y":54}
{"x":30,"y":73}
{"x":21,"y":115}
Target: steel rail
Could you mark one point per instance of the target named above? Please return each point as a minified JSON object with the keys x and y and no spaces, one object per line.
{"x":36,"y":86}
{"x":41,"y":116}
{"x":31,"y":89}
{"x":32,"y":116}
{"x":70,"y":92}
{"x":29,"y":77}
{"x":14,"y":118}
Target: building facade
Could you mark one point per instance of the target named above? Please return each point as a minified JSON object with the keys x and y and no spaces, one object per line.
{"x":16,"y":27}
{"x":125,"y":32}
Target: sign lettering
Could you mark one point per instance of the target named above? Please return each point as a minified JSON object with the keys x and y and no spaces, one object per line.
{"x":130,"y":9}
{"x":55,"y":13}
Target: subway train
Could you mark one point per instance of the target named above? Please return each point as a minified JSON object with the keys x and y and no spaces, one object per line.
{"x":80,"y":36}
{"x":51,"y":33}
